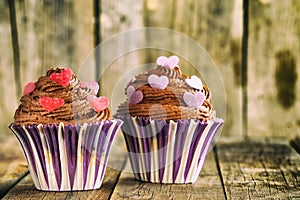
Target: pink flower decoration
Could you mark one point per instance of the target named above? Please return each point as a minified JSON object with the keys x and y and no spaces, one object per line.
{"x":29,"y":87}
{"x":63,"y":78}
{"x":92,"y":85}
{"x":158,"y":82}
{"x":134,"y":97}
{"x":51,"y":104}
{"x":194,"y":82}
{"x":98,"y":103}
{"x":170,"y":62}
{"x":194,"y":100}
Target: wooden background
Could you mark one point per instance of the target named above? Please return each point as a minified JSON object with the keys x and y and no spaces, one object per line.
{"x":63,"y":33}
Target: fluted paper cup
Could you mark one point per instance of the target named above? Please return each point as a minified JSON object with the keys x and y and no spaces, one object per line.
{"x":168,"y":152}
{"x":67,"y":157}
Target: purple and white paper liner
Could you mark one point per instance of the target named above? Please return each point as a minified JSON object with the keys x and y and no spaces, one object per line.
{"x":66,"y":157}
{"x":168,"y":152}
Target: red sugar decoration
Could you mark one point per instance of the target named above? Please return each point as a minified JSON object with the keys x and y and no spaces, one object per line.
{"x":51,"y":104}
{"x":63,"y":78}
{"x":29,"y":87}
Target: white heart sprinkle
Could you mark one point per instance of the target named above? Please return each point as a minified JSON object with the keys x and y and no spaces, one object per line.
{"x":170,"y":62}
{"x":158,"y":82}
{"x":194,"y":100}
{"x":194,"y":82}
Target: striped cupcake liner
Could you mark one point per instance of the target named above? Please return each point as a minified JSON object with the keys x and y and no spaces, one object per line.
{"x":66,"y":157}
{"x":168,"y":152}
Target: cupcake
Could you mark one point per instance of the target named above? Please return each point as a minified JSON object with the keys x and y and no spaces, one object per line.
{"x":65,"y":131}
{"x":169,"y":124}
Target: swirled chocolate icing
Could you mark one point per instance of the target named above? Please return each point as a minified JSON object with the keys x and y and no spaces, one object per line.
{"x":167,"y":103}
{"x":74,"y":109}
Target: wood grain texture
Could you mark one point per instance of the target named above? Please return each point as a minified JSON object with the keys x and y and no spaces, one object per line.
{"x":295,"y":143}
{"x":273,"y":64}
{"x":12,"y":164}
{"x":51,"y":34}
{"x":25,"y":189}
{"x":8,"y":99}
{"x":208,"y":186}
{"x":119,"y":16}
{"x":16,"y":171}
{"x":15,"y":46}
{"x":260,"y":169}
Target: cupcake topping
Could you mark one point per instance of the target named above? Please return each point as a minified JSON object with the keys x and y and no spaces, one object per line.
{"x":169,"y":63}
{"x":134,"y":96}
{"x":194,"y":100}
{"x":29,"y":87}
{"x":194,"y":82}
{"x":61,"y":97}
{"x":158,"y":82}
{"x":51,"y":104}
{"x":63,"y":77}
{"x":166,"y":93}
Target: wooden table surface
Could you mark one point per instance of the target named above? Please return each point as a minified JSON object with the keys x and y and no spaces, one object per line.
{"x":260,"y":168}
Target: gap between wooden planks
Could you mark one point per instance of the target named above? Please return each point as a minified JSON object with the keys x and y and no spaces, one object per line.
{"x":13,"y":166}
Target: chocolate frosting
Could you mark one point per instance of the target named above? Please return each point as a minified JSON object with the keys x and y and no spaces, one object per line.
{"x":167,"y":103}
{"x":76,"y":108}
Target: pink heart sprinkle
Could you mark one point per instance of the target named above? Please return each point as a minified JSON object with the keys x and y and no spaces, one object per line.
{"x":158,"y":82}
{"x":194,"y":82}
{"x":51,"y":104}
{"x":63,"y":78}
{"x":136,"y":97}
{"x":29,"y":87}
{"x":92,"y":85}
{"x":170,"y":62}
{"x":130,"y":90}
{"x":194,"y":100}
{"x":98,"y":103}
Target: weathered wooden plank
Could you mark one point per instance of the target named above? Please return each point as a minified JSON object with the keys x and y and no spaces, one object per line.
{"x":9,"y":151}
{"x":273,"y":68}
{"x":58,"y":34}
{"x":26,"y":190}
{"x":260,"y":169}
{"x":7,"y":84}
{"x":295,"y":143}
{"x":119,"y":16}
{"x":15,"y":172}
{"x":12,"y":164}
{"x":208,"y":186}
{"x":15,"y":46}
